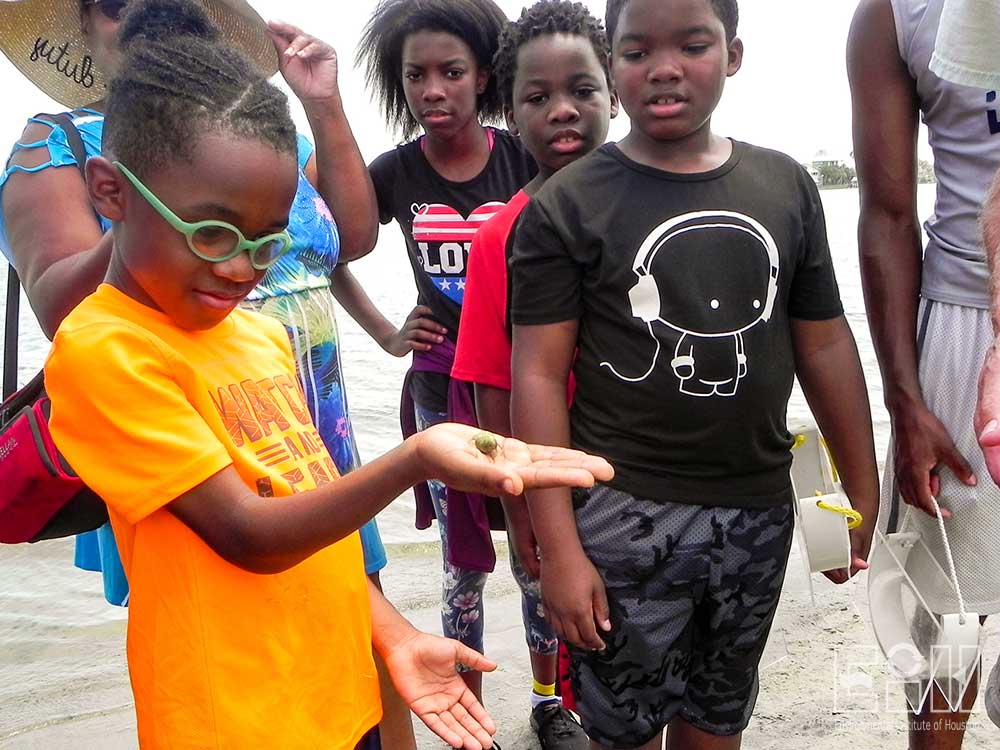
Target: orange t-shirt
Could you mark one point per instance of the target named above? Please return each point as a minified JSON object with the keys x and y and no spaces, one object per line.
{"x":218,"y":657}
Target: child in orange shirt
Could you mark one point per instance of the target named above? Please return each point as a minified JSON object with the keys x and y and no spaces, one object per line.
{"x":251,"y":621}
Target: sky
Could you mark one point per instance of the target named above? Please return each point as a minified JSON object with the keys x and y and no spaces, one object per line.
{"x":791,"y":94}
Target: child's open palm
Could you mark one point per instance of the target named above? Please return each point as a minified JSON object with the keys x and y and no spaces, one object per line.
{"x":449,"y":452}
{"x":423,"y":669}
{"x":308,"y":64}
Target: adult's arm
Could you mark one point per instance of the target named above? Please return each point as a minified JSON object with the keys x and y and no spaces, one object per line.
{"x":336,"y":169}
{"x":829,"y":370}
{"x":58,"y":247}
{"x":987,"y":419}
{"x":575,"y":600}
{"x":885,"y":111}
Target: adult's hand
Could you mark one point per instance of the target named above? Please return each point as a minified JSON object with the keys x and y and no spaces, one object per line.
{"x":987,"y":418}
{"x":922,"y":447}
{"x":309,"y":65}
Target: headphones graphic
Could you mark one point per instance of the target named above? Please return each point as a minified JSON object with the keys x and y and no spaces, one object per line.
{"x":644,"y":297}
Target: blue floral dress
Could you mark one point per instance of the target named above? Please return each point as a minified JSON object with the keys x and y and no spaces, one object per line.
{"x":296,"y":291}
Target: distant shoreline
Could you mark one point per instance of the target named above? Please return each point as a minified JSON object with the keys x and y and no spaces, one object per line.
{"x":855,"y":187}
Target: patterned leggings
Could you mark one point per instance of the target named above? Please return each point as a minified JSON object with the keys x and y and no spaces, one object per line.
{"x":462,"y":589}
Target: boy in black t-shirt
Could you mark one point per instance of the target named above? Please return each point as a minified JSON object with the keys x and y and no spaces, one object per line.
{"x":693,"y":274}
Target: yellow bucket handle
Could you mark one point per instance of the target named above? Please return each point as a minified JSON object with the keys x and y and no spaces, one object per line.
{"x":854,"y":518}
{"x":801,"y":440}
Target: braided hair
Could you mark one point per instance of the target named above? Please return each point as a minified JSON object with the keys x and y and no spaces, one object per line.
{"x":478,"y":23}
{"x":727,"y":10}
{"x":546,"y":17}
{"x":177,"y":80}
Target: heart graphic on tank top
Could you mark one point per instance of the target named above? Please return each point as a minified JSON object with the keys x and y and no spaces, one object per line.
{"x":443,"y":238}
{"x":436,"y":222}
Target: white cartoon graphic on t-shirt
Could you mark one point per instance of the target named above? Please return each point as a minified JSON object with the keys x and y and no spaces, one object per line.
{"x":444,"y":238}
{"x":716,"y":278}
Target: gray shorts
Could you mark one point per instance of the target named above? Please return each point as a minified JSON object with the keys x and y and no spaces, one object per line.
{"x":693,"y":591}
{"x":953,"y":341}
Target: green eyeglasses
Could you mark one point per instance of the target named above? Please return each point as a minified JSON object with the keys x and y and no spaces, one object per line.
{"x":216,"y":241}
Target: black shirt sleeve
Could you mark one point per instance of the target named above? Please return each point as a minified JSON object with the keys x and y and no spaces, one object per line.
{"x":814,"y":294}
{"x":546,"y":278}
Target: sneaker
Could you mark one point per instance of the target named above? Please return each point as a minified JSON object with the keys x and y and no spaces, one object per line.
{"x":556,"y":728}
{"x":992,"y":695}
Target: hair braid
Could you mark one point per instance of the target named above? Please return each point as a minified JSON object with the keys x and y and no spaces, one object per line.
{"x":177,"y":80}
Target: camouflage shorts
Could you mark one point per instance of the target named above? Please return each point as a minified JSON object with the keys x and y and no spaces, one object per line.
{"x":693,"y":591}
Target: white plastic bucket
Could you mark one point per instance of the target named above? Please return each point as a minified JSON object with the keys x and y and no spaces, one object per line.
{"x":920,"y":644}
{"x":825,"y":533}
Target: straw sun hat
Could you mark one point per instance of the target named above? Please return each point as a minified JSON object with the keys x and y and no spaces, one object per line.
{"x":43,"y":40}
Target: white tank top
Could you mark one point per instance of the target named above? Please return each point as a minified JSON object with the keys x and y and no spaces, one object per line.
{"x":964,"y":127}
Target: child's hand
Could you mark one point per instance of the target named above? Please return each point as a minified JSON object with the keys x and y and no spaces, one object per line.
{"x":576,"y":602}
{"x":308,"y":65}
{"x":861,"y":544}
{"x":448,"y":452}
{"x":419,"y":333}
{"x":423,"y":669}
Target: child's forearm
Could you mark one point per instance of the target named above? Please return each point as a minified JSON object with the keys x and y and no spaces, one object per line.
{"x":353,"y":298}
{"x":830,"y":373}
{"x":542,"y":357}
{"x":264,"y":535}
{"x":389,"y":627}
{"x":492,"y":408}
{"x":342,"y":177}
{"x":269,"y":535}
{"x":493,"y":414}
{"x":539,"y":411}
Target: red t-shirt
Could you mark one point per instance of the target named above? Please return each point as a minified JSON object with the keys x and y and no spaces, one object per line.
{"x":483,"y":354}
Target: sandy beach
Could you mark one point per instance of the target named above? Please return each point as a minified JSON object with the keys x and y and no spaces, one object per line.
{"x":65,"y":686}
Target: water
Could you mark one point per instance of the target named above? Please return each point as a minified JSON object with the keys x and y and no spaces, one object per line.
{"x":374,"y":378}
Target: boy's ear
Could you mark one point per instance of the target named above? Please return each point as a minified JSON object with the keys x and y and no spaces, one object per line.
{"x":615,"y":104}
{"x":735,"y":56}
{"x":508,"y":115}
{"x":105,"y":184}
